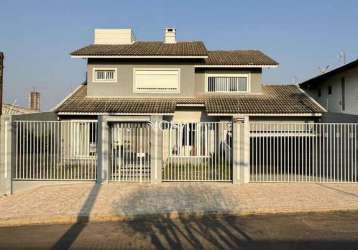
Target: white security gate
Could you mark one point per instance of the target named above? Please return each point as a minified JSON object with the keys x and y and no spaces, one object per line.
{"x":130,"y":151}
{"x":200,"y":151}
{"x":303,"y":152}
{"x":55,"y":150}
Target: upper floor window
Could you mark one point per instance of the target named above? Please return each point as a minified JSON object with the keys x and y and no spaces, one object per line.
{"x":155,"y":80}
{"x":227,"y":83}
{"x":105,"y":75}
{"x":330,"y":90}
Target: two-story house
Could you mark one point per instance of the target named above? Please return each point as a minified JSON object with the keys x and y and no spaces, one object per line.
{"x":180,"y":81}
{"x":194,"y":93}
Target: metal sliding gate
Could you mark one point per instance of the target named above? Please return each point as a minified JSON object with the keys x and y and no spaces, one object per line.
{"x":303,"y":152}
{"x":130,"y":151}
{"x":55,"y":150}
{"x":200,"y":151}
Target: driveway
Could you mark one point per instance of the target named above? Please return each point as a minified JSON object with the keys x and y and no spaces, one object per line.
{"x":303,"y":231}
{"x":89,"y":202}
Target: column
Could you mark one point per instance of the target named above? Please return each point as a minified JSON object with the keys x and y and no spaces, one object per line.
{"x":241,"y":149}
{"x":7,"y":154}
{"x":156,"y":149}
{"x":103,"y":150}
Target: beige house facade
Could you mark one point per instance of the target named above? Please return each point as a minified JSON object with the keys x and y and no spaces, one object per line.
{"x":179,"y":81}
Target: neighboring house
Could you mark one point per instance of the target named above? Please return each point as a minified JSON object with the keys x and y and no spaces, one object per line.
{"x":179,"y":81}
{"x":34,"y":106}
{"x":337,"y":91}
{"x":10,"y":109}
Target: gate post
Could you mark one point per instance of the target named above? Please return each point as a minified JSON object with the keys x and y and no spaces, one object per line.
{"x":156,"y":149}
{"x":241,"y":149}
{"x":7,"y":154}
{"x":102,"y":150}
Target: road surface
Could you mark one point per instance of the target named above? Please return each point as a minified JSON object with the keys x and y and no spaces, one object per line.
{"x":308,"y":231}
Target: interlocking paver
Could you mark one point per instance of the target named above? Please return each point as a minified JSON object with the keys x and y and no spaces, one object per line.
{"x":64,"y":203}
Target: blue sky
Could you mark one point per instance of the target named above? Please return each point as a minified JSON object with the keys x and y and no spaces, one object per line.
{"x":37,"y":36}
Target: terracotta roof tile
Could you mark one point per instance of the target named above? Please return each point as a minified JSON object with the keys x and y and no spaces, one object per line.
{"x":195,"y":48}
{"x":274,"y":99}
{"x":150,"y":48}
{"x":10,"y":109}
{"x":238,"y":57}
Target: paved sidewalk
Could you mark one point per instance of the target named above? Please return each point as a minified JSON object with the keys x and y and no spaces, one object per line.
{"x":88,"y":202}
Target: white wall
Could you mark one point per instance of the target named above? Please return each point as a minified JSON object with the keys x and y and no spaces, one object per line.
{"x":333,"y":102}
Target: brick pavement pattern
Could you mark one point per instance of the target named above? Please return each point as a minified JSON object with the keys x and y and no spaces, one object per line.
{"x":120,"y":201}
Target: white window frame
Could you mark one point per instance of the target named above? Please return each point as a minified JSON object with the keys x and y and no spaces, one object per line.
{"x":246,"y":75}
{"x":135,"y":90}
{"x":94,"y":75}
{"x":76,"y":138}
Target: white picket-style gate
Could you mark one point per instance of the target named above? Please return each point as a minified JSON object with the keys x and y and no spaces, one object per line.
{"x":130,"y":151}
{"x":200,"y":151}
{"x":303,"y":152}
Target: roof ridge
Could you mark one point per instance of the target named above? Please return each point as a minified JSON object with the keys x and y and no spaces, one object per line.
{"x":145,"y":41}
{"x":186,"y":49}
{"x":280,"y":85}
{"x":234,"y":50}
{"x":160,"y":41}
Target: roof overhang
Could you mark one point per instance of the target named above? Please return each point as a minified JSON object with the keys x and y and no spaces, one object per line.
{"x":235,"y":66}
{"x":104,"y":113}
{"x":334,"y":71}
{"x":269,"y":114}
{"x":151,"y":57}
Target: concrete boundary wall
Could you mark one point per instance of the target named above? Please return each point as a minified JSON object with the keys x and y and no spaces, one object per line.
{"x":43,"y":116}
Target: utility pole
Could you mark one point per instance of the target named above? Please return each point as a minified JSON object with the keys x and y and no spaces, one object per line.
{"x":1,"y":79}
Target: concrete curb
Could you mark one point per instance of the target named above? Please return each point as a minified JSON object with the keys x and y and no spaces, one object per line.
{"x":72,"y":219}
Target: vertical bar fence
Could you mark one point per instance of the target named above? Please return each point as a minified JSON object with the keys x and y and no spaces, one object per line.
{"x":55,"y":150}
{"x":303,"y":152}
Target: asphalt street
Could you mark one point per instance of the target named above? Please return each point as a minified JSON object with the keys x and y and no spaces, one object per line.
{"x":302,"y":231}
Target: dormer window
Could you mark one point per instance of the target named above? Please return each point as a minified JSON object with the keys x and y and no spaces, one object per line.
{"x":105,"y":75}
{"x":227,"y":83}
